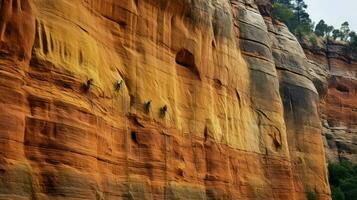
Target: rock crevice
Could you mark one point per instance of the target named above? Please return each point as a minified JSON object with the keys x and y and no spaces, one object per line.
{"x":240,"y":95}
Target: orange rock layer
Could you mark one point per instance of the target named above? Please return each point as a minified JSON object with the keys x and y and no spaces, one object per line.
{"x":339,"y":105}
{"x":149,"y":99}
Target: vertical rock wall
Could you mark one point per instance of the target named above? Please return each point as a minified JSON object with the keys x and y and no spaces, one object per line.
{"x":339,"y":105}
{"x":340,"y":108}
{"x":241,"y":121}
{"x":269,"y":45}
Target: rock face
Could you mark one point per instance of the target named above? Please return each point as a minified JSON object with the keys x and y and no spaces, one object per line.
{"x":149,"y":99}
{"x":339,"y":105}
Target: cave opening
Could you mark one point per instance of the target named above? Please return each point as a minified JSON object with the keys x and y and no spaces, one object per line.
{"x":186,"y":59}
{"x":134,"y":137}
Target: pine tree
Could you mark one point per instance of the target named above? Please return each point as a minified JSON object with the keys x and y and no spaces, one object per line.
{"x":345,"y":31}
{"x":299,"y":8}
{"x":321,"y":28}
{"x":336,"y":34}
{"x":302,"y":23}
{"x":353,"y":40}
{"x":286,"y":3}
{"x":282,"y":13}
{"x":329,"y":30}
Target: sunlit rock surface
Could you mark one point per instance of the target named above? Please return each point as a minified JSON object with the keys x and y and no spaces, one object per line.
{"x":242,"y":109}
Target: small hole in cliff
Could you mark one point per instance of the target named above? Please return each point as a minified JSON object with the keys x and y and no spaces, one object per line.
{"x":213,"y":44}
{"x":218,"y":83}
{"x":80,"y":57}
{"x":122,"y":24}
{"x":186,"y":59}
{"x":8,"y":30}
{"x":87,"y":85}
{"x":180,"y":172}
{"x":342,"y":88}
{"x":206,"y":134}
{"x":134,"y":137}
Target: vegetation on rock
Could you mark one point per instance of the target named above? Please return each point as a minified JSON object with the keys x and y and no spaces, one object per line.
{"x":311,"y":195}
{"x":293,"y":13}
{"x":343,"y":180}
{"x":342,"y":176}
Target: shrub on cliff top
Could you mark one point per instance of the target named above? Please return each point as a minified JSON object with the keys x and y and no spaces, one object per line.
{"x":313,"y":41}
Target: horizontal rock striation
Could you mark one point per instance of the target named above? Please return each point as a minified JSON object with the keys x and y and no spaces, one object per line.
{"x":339,"y":105}
{"x":147,"y":99}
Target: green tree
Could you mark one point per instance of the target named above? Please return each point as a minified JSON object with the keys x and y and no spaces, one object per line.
{"x":302,"y":24}
{"x":313,"y":41}
{"x":321,"y":28}
{"x":353,"y":47}
{"x":343,"y":180}
{"x":351,"y":194}
{"x":349,"y":186}
{"x":282,"y":13}
{"x":336,"y":34}
{"x":329,"y":30}
{"x":337,"y":193}
{"x":336,"y":173}
{"x":352,"y":35}
{"x":293,"y":14}
{"x":299,"y":7}
{"x":286,"y":3}
{"x":345,"y":31}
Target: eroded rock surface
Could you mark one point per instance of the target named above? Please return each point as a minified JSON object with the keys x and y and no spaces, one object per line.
{"x":241,"y":118}
{"x":339,"y":105}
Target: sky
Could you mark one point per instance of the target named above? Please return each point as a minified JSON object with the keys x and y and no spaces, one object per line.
{"x":334,"y":12}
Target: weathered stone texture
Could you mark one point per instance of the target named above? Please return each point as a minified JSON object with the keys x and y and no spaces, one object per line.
{"x":339,"y":102}
{"x":242,"y":109}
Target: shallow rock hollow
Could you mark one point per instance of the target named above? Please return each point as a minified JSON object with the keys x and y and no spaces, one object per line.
{"x":216,"y":102}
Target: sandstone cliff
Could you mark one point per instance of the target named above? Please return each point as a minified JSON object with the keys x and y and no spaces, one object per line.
{"x":336,"y":68}
{"x":242,"y":117}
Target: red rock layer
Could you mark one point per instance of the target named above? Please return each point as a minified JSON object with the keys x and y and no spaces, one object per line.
{"x":236,"y":126}
{"x":339,"y":105}
{"x":335,"y":75}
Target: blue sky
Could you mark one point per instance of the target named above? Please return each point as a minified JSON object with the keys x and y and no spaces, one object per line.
{"x":334,"y":12}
